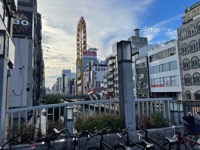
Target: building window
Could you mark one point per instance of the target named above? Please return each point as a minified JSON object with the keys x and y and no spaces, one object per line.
{"x":187,"y":95}
{"x":188,"y":79}
{"x":193,"y":46}
{"x":198,"y":27}
{"x":195,"y":62}
{"x":186,"y":64}
{"x":173,"y":65}
{"x":196,"y":78}
{"x":184,"y":49}
{"x":191,"y":30}
{"x":183,"y":34}
{"x":172,"y":51}
{"x":197,"y":95}
{"x":166,"y":67}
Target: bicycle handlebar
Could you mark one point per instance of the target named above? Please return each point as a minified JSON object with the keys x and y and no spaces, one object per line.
{"x":78,"y":135}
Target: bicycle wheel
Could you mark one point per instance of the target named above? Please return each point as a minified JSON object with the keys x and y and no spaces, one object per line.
{"x":119,"y":147}
{"x":93,"y":148}
{"x":192,"y":138}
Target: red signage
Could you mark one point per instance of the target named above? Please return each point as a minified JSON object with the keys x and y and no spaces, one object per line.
{"x":87,"y":53}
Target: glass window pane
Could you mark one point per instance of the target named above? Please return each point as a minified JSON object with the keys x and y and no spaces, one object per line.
{"x":166,"y":67}
{"x":160,"y":68}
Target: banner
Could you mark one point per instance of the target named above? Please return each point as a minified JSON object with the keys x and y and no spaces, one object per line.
{"x":22,"y":25}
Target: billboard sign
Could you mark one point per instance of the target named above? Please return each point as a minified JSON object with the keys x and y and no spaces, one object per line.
{"x":88,"y":53}
{"x":22,"y":25}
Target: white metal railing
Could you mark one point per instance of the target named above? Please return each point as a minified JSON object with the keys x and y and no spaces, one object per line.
{"x":41,"y":115}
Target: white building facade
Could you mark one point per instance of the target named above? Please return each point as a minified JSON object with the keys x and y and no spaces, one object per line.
{"x":164,"y":71}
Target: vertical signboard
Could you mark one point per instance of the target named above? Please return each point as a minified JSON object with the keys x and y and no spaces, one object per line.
{"x":22,"y":25}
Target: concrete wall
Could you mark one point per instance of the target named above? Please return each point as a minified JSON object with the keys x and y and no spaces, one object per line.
{"x":21,"y":80}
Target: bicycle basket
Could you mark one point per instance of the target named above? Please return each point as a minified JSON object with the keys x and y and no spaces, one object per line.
{"x":190,"y":125}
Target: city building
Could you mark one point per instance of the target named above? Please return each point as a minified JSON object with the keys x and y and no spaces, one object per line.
{"x":137,"y":42}
{"x":27,"y":79}
{"x":39,"y":74}
{"x":7,"y":56}
{"x":141,"y":72}
{"x":104,"y":86}
{"x":164,"y":71}
{"x":112,"y":75}
{"x":67,"y":81}
{"x":94,"y":76}
{"x":65,"y":84}
{"x":189,"y":52}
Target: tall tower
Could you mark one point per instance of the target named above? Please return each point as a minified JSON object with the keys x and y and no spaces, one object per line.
{"x":81,"y":46}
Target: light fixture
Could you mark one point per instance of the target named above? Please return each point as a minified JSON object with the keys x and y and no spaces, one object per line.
{"x":124,"y":51}
{"x":174,"y":106}
{"x":2,"y":43}
{"x":69,"y":111}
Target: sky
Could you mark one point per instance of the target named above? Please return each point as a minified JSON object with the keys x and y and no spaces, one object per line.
{"x":107,"y":22}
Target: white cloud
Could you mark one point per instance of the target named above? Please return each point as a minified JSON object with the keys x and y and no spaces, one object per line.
{"x":151,"y":32}
{"x":107,"y":21}
{"x":161,"y":28}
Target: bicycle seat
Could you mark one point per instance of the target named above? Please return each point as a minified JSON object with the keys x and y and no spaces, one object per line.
{"x":148,"y":145}
{"x":77,"y":135}
{"x":170,"y":140}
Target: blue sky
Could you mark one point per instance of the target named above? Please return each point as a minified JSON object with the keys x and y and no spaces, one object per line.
{"x":107,"y":21}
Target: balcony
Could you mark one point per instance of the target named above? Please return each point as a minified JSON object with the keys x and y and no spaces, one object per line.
{"x":110,"y":76}
{"x":110,"y":90}
{"x":110,"y":69}
{"x":110,"y":82}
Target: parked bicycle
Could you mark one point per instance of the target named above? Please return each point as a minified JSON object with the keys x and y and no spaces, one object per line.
{"x":9,"y":142}
{"x":45,"y":142}
{"x":141,"y":144}
{"x":178,"y":142}
{"x":102,"y":144}
{"x":75,"y":138}
{"x":149,"y":139}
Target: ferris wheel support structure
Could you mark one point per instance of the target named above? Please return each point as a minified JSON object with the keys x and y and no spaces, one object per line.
{"x":81,"y":46}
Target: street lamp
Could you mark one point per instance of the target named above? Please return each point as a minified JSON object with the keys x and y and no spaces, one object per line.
{"x":174,"y":106}
{"x":2,"y":42}
{"x":125,"y":80}
{"x":69,"y":119}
